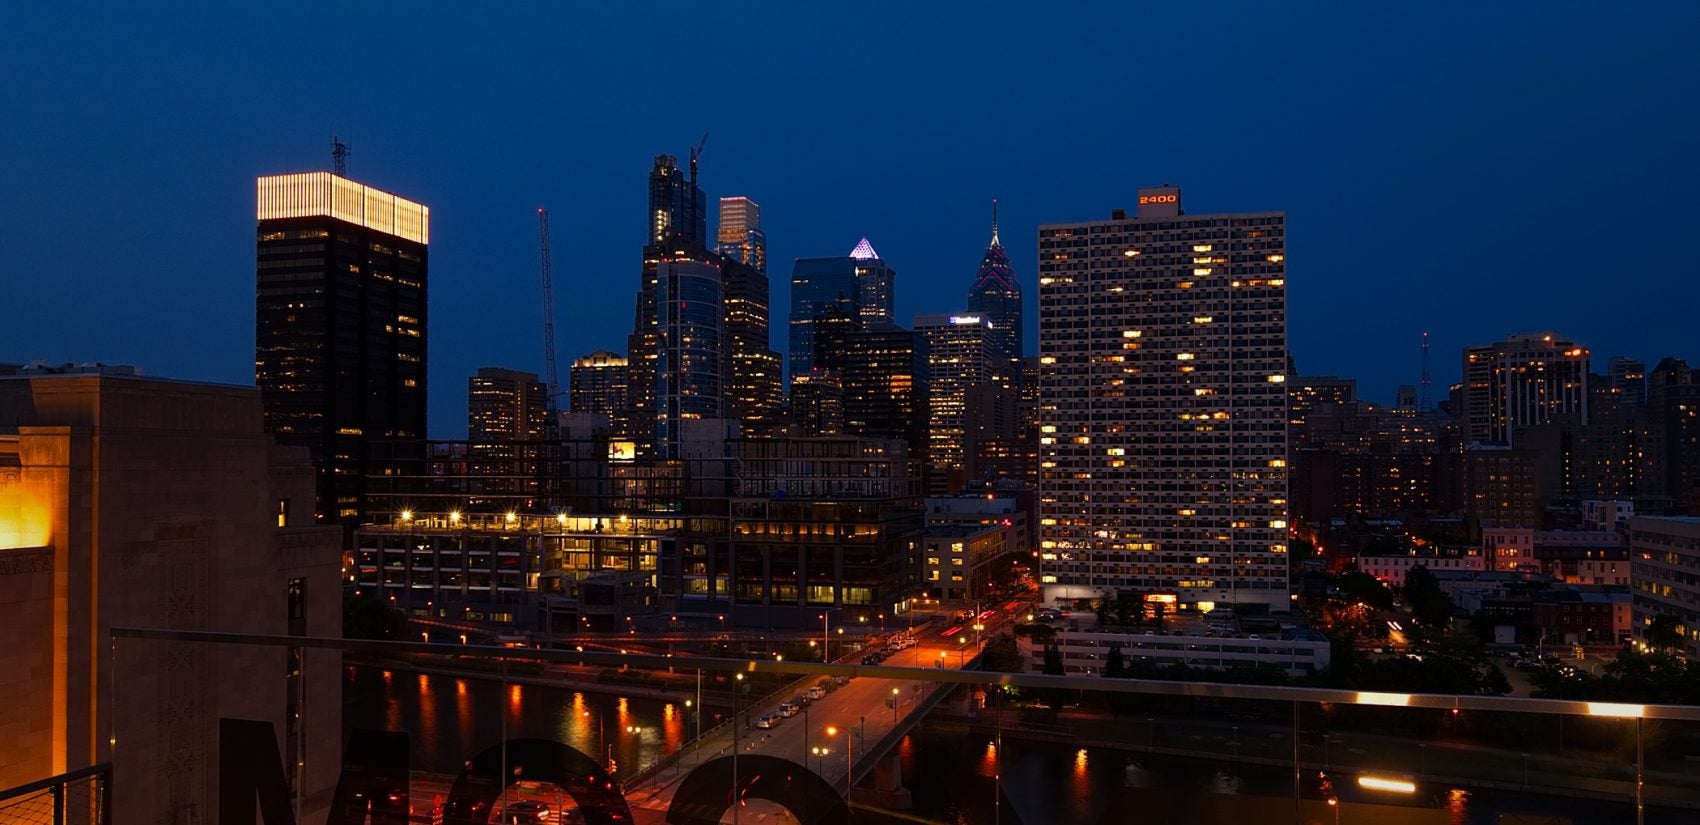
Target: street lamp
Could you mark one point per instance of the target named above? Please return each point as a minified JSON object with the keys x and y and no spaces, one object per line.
{"x":961,"y":652}
{"x":1334,"y":802}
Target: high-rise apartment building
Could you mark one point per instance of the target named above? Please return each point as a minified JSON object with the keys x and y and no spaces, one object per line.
{"x":1307,"y":393}
{"x":689,"y":381}
{"x":1673,"y":443}
{"x":340,"y":324}
{"x":739,"y":235}
{"x":1163,"y":349}
{"x":959,"y":359}
{"x":506,"y":405}
{"x":860,"y":281}
{"x":597,"y":383}
{"x":1522,"y":381}
{"x":996,"y":296}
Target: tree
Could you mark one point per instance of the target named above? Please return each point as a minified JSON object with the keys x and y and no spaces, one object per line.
{"x":1661,"y":633}
{"x":1054,"y":667}
{"x":1115,"y":666}
{"x":368,"y":617}
{"x":1429,"y":604}
{"x":1358,"y":586}
{"x":1002,"y":655}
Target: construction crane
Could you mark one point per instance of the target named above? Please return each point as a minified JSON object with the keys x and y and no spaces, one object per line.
{"x":696,"y":154}
{"x":552,"y":373}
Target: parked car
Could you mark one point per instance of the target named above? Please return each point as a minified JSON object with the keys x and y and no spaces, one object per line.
{"x":817,"y":692}
{"x":789,"y":710}
{"x":767,"y":720}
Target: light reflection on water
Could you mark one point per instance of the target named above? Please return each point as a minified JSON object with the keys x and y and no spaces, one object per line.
{"x":446,"y":729}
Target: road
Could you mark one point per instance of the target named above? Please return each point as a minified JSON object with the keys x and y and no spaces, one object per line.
{"x":856,"y":711}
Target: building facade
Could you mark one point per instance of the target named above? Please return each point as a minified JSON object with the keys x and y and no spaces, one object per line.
{"x":1163,"y":450}
{"x":146,"y":503}
{"x":1665,"y":574}
{"x":340,"y":324}
{"x":690,"y":349}
{"x":1522,"y":381}
{"x":597,"y":384}
{"x":506,"y":405}
{"x":960,"y":360}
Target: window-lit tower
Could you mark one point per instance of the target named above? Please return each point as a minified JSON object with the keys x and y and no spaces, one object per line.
{"x":996,"y":297}
{"x":340,"y":325}
{"x":1163,"y":431}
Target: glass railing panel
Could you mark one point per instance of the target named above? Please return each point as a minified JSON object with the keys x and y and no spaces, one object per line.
{"x":338,"y":732}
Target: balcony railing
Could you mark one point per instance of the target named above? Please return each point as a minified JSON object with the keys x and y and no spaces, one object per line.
{"x":81,"y":796}
{"x":311,"y":730}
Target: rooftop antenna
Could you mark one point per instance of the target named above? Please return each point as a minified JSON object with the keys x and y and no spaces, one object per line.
{"x":1422,"y":400}
{"x":339,"y":157}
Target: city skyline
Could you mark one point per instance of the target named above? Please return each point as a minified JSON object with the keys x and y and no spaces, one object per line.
{"x":1449,"y":179}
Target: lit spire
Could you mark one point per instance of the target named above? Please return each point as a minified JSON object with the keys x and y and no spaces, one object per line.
{"x":995,"y":223}
{"x":864,"y":251}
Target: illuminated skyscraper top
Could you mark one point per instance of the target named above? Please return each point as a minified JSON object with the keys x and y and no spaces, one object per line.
{"x":740,"y":236}
{"x":677,"y":207}
{"x":996,"y":296}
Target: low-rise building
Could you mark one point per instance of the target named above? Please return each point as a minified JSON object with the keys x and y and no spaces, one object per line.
{"x":956,"y":560}
{"x":1298,"y":652}
{"x":1392,"y":569}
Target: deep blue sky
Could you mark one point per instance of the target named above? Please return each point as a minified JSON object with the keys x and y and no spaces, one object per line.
{"x":1471,"y":170}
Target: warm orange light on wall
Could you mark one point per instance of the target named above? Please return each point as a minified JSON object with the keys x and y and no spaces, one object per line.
{"x":24,"y":522}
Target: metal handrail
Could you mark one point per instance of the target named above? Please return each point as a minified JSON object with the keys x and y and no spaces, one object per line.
{"x":1096,"y":684}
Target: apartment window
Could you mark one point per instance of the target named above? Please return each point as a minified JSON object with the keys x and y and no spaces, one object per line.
{"x":283,"y":512}
{"x":297,"y":600}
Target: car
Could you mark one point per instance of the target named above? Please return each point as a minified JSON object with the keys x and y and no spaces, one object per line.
{"x":817,"y":692}
{"x":871,"y":659}
{"x":840,"y":681}
{"x":526,"y":812}
{"x":767,"y":720}
{"x":789,"y":710}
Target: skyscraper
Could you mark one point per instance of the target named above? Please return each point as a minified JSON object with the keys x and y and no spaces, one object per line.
{"x":597,"y":383}
{"x":677,"y":233}
{"x":1163,"y":446}
{"x":884,"y":376}
{"x":1522,"y":381}
{"x":690,"y":331}
{"x":996,"y":297}
{"x":506,"y":405}
{"x":340,"y":312}
{"x":861,"y":281}
{"x":959,"y":360}
{"x":751,"y":370}
{"x":739,"y":235}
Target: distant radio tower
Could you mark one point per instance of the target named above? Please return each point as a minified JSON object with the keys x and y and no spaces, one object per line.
{"x":339,"y":157}
{"x":1422,"y":400}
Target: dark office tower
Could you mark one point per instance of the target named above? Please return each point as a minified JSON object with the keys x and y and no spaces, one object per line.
{"x":996,"y":297}
{"x":505,"y":405}
{"x":597,"y":383}
{"x":817,"y":403}
{"x":739,"y":236}
{"x":860,"y":280}
{"x":884,"y":376}
{"x":752,"y":370}
{"x":1629,"y":379}
{"x":676,"y":232}
{"x":339,"y":339}
{"x":831,"y":327}
{"x":689,"y":341}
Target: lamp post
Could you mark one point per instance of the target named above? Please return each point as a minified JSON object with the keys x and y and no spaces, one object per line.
{"x":825,"y":637}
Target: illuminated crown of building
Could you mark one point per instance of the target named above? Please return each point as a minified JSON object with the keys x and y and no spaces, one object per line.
{"x":995,"y":272}
{"x":864,"y":251}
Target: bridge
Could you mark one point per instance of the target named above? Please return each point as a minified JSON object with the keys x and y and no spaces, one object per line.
{"x":842,"y":736}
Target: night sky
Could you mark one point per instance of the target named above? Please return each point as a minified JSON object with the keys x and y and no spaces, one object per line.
{"x":1472,"y":170}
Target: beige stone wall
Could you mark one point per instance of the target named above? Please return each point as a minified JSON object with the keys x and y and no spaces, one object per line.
{"x":167,"y":518}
